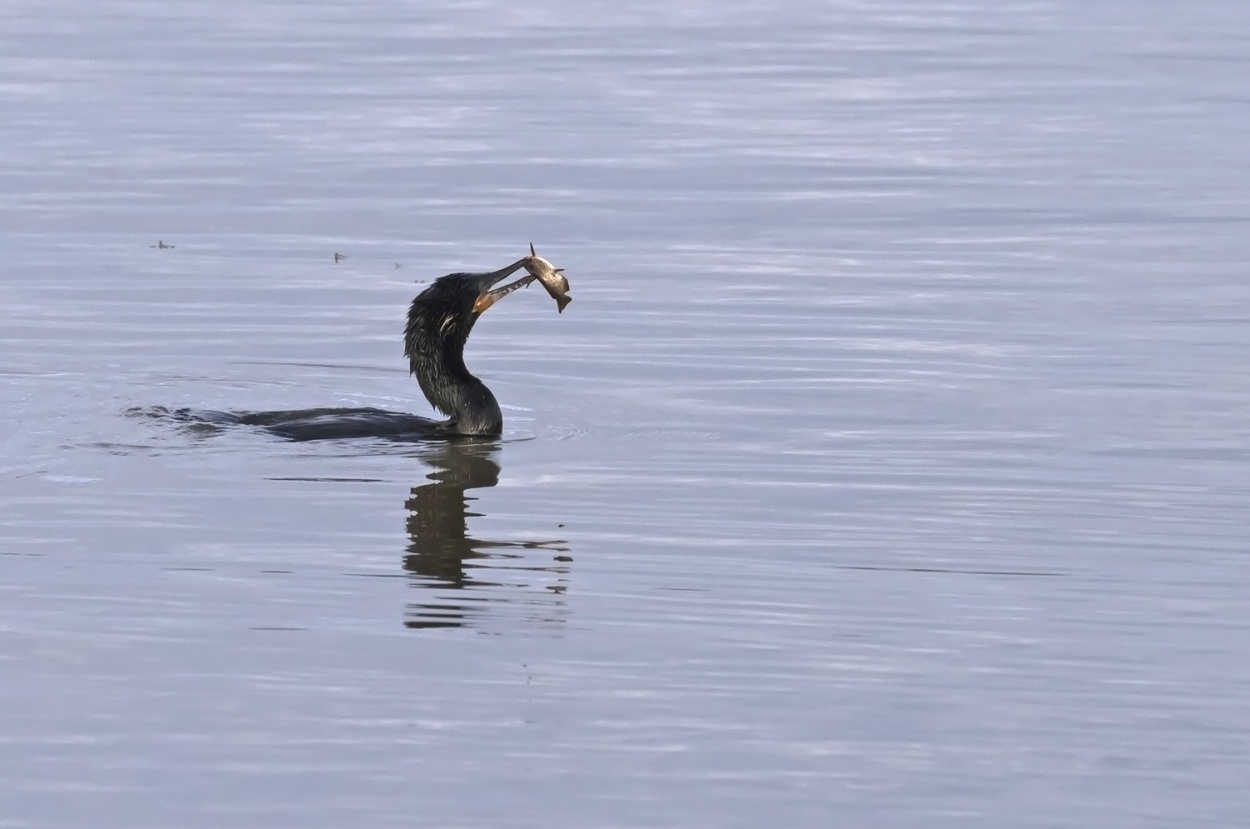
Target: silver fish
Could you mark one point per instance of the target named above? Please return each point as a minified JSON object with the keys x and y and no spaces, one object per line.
{"x":553,"y":278}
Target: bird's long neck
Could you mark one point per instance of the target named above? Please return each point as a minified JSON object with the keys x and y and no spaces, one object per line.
{"x":435,"y":349}
{"x":454,"y":391}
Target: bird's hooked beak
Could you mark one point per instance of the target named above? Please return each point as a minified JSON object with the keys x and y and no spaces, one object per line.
{"x":488,"y":295}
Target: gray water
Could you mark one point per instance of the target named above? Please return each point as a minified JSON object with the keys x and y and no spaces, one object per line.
{"x":888,"y":469}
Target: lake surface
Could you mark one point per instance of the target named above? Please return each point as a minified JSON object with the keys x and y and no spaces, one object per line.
{"x":890,"y":467}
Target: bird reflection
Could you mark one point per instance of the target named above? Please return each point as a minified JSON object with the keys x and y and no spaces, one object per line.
{"x":442,"y":556}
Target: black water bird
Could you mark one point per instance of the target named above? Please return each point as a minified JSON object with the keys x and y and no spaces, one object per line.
{"x":439,"y":322}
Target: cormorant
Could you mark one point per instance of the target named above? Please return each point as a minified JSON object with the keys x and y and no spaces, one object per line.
{"x":439,"y":322}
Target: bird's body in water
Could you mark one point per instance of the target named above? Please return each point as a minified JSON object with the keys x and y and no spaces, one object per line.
{"x":439,"y":322}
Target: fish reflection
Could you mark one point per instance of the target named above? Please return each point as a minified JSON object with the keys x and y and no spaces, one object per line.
{"x":466,"y":575}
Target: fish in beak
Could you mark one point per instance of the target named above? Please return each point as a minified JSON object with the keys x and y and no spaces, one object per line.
{"x":552,"y":278}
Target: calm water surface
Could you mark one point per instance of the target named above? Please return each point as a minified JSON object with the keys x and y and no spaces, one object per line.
{"x":890,"y":467}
